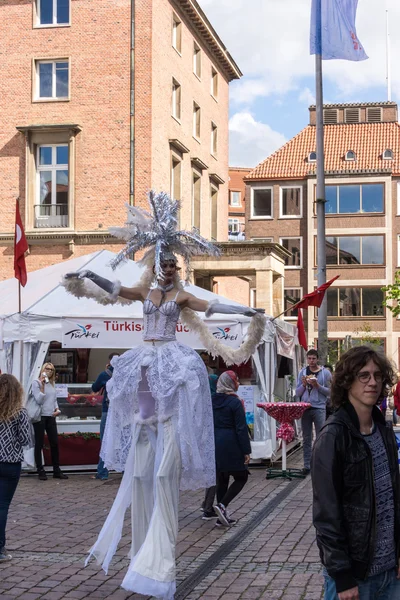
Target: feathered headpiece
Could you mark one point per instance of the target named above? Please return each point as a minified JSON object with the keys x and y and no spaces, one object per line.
{"x":158,"y":231}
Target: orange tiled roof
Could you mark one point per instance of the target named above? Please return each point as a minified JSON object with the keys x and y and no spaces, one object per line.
{"x":367,"y":140}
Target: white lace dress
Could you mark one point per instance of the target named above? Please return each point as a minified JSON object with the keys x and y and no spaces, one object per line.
{"x":160,"y":432}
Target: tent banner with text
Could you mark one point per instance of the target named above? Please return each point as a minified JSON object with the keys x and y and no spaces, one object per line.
{"x":127,"y":333}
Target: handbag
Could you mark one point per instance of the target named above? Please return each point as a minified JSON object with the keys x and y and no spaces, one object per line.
{"x":33,"y":409}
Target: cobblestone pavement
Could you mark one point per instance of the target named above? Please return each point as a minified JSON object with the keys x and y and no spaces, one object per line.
{"x":52,"y":524}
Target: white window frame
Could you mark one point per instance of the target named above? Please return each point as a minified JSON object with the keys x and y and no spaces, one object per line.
{"x":387,"y":157}
{"x":39,"y":25}
{"x":197,"y":60}
{"x":398,"y":199}
{"x":53,"y":98}
{"x":54,"y":167}
{"x":351,"y":159}
{"x":176,"y":26}
{"x":290,"y":187}
{"x":294,"y":237}
{"x":239,"y":204}
{"x":175,"y":86}
{"x":261,"y":188}
{"x":301,"y":295}
{"x":312,"y":160}
{"x":398,"y":251}
{"x":236,"y":222}
{"x":268,"y":240}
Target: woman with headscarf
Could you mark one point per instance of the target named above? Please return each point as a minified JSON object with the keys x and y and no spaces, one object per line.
{"x":232,"y":444}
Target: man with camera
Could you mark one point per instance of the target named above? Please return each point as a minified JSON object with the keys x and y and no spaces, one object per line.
{"x":313,"y":386}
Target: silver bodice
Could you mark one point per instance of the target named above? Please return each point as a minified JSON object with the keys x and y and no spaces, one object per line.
{"x":160,"y":321}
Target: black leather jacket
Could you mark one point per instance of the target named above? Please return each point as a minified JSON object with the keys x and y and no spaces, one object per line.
{"x":344,"y":510}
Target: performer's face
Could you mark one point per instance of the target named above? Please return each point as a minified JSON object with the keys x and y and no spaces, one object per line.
{"x":169,"y":269}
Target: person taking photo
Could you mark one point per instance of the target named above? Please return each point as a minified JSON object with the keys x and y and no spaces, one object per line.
{"x":45,"y":394}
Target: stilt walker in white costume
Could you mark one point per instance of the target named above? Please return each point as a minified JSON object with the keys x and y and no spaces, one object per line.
{"x":159,"y":428}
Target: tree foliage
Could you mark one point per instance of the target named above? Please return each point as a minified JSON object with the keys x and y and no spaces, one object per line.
{"x":392,"y":295}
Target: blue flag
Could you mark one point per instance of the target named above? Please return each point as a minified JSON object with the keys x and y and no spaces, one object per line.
{"x":333,"y":30}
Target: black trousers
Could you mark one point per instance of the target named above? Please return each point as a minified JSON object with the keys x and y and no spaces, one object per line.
{"x":48,"y":425}
{"x":225,"y":492}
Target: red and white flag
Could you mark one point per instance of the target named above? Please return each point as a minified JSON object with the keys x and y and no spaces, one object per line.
{"x":20,"y":247}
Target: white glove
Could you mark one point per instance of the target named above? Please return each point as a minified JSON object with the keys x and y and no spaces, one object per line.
{"x":229,"y":309}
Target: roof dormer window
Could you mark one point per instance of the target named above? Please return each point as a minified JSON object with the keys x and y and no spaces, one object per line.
{"x":388,"y":154}
{"x":350,"y":155}
{"x":312,"y":157}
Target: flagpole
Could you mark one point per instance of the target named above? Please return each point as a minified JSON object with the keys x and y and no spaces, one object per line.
{"x":320,"y":196}
{"x":388,"y":60}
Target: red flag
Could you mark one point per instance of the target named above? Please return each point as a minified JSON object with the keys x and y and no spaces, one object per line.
{"x":301,"y":332}
{"x":20,"y":247}
{"x":315,"y":298}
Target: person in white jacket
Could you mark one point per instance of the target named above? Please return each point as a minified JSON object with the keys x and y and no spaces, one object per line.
{"x":44,"y":393}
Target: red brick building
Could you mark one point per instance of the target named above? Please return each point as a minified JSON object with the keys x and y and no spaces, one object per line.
{"x":86,"y":129}
{"x":362,"y":163}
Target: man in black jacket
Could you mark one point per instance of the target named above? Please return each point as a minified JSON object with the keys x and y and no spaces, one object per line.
{"x":355,"y":475}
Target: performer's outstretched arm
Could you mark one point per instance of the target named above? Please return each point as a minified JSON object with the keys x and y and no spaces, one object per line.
{"x":215,"y":306}
{"x":113,"y":288}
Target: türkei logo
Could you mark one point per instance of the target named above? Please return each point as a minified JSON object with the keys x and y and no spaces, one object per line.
{"x":223,"y":333}
{"x":83,"y":331}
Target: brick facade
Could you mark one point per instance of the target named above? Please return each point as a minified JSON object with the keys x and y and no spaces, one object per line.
{"x":94,"y":121}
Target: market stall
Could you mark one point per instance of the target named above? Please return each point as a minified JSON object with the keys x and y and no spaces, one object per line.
{"x":77,"y":335}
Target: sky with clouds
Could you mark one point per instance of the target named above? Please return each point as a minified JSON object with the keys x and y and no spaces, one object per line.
{"x":269,"y":39}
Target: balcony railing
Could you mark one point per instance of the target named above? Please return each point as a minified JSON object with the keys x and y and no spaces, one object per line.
{"x":51,"y":215}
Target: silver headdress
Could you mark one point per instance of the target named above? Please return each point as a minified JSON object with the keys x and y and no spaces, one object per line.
{"x":158,"y":232}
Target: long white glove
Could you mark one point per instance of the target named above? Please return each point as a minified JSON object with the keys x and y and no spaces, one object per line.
{"x":111,"y":287}
{"x":231,"y":309}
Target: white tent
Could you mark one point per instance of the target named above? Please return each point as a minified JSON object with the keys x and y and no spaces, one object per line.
{"x":48,"y":313}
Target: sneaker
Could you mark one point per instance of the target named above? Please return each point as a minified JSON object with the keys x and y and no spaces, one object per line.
{"x":208,"y":516}
{"x":59,"y":475}
{"x":231,"y":522}
{"x":42,"y":475}
{"x":221,"y":511}
{"x":4,"y":556}
{"x":306,"y":471}
{"x":219,"y":524}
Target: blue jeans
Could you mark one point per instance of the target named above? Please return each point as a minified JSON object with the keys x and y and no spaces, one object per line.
{"x":310,"y":416}
{"x":384,"y":586}
{"x":9,"y":477}
{"x":102,"y":472}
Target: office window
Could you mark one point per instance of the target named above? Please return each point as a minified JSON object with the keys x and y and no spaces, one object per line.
{"x":354,"y":199}
{"x":214,"y":139}
{"x":176,"y":99}
{"x":355,"y":302}
{"x":291,"y":199}
{"x":176,"y":185}
{"x":234,"y":199}
{"x":196,"y":120}
{"x":52,"y":186}
{"x":214,"y":212}
{"x":52,"y":12}
{"x":52,"y":79}
{"x":294,"y":245}
{"x":196,"y":198}
{"x":355,"y":250}
{"x":176,"y":33}
{"x":214,"y":83}
{"x":261,"y":203}
{"x":291,"y":297}
{"x":196,"y":60}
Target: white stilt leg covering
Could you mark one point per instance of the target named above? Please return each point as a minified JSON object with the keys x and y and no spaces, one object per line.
{"x":152,"y":569}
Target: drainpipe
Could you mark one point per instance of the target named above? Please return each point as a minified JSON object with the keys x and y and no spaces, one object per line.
{"x":132,"y":110}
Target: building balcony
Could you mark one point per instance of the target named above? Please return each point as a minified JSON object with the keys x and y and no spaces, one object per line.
{"x":49,"y":216}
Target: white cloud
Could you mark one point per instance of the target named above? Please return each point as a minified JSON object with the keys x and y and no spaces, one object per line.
{"x":269,"y":39}
{"x":251,"y":141}
{"x":307,"y":96}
